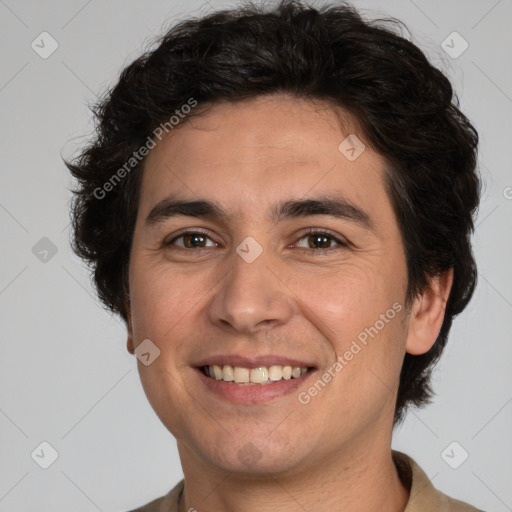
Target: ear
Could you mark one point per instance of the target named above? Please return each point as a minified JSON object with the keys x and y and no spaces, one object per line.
{"x":129,"y":340}
{"x":427,"y":314}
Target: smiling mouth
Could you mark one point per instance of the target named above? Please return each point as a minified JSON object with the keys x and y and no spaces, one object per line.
{"x":260,"y":375}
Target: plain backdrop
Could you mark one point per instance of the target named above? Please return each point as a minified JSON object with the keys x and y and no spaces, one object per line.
{"x":66,"y":378}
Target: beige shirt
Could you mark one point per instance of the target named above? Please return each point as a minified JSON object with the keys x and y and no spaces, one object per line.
{"x":423,"y":495}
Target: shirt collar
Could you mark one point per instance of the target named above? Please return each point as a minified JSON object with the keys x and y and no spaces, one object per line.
{"x":423,"y":496}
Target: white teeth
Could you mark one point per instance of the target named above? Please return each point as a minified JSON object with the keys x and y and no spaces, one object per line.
{"x":227,"y":373}
{"x":260,"y":375}
{"x":275,"y":373}
{"x":241,"y":374}
{"x":217,"y":372}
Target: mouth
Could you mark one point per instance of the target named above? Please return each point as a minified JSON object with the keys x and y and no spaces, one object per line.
{"x":258,"y":380}
{"x":256,"y":376}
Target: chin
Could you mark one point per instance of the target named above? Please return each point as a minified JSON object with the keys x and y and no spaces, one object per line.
{"x":254,"y":456}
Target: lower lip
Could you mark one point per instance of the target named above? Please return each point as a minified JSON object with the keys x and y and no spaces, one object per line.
{"x":252,"y":393}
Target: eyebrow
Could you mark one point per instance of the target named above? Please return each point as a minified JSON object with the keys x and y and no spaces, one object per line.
{"x":334,"y":206}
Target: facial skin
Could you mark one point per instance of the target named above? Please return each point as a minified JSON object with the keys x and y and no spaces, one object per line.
{"x":334,"y":452}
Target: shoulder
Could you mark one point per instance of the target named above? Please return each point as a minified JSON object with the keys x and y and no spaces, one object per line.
{"x":424,"y":497}
{"x":166,"y":503}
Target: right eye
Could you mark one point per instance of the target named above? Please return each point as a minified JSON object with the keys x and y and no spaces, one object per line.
{"x":191,"y":240}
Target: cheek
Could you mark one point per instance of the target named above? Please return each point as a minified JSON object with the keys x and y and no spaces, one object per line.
{"x":359,"y":309}
{"x":349,"y":299}
{"x":160,"y":300}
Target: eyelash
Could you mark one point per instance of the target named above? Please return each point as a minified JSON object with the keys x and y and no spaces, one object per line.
{"x":309,"y":232}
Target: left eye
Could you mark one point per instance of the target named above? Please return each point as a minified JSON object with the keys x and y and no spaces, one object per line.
{"x":322,"y":239}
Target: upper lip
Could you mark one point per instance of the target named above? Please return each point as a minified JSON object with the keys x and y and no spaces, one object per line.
{"x":252,"y":362}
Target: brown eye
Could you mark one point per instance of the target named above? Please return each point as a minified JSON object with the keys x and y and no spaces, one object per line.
{"x":321,"y":241}
{"x":191,"y":240}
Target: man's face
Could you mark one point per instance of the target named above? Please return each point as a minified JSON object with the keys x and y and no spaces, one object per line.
{"x":253,"y":289}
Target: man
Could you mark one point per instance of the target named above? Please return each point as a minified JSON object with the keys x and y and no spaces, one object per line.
{"x":279,"y":203}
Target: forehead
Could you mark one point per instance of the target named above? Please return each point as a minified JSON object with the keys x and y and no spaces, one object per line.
{"x":273,"y":129}
{"x":253,"y":153}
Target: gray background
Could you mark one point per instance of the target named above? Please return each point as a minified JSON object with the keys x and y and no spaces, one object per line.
{"x":66,"y":377}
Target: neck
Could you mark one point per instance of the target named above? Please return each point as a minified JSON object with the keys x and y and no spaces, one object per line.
{"x":351,"y":481}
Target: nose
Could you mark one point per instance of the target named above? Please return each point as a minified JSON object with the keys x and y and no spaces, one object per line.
{"x":252,"y":297}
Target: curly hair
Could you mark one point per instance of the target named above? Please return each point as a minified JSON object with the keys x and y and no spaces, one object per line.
{"x":405,"y":107}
